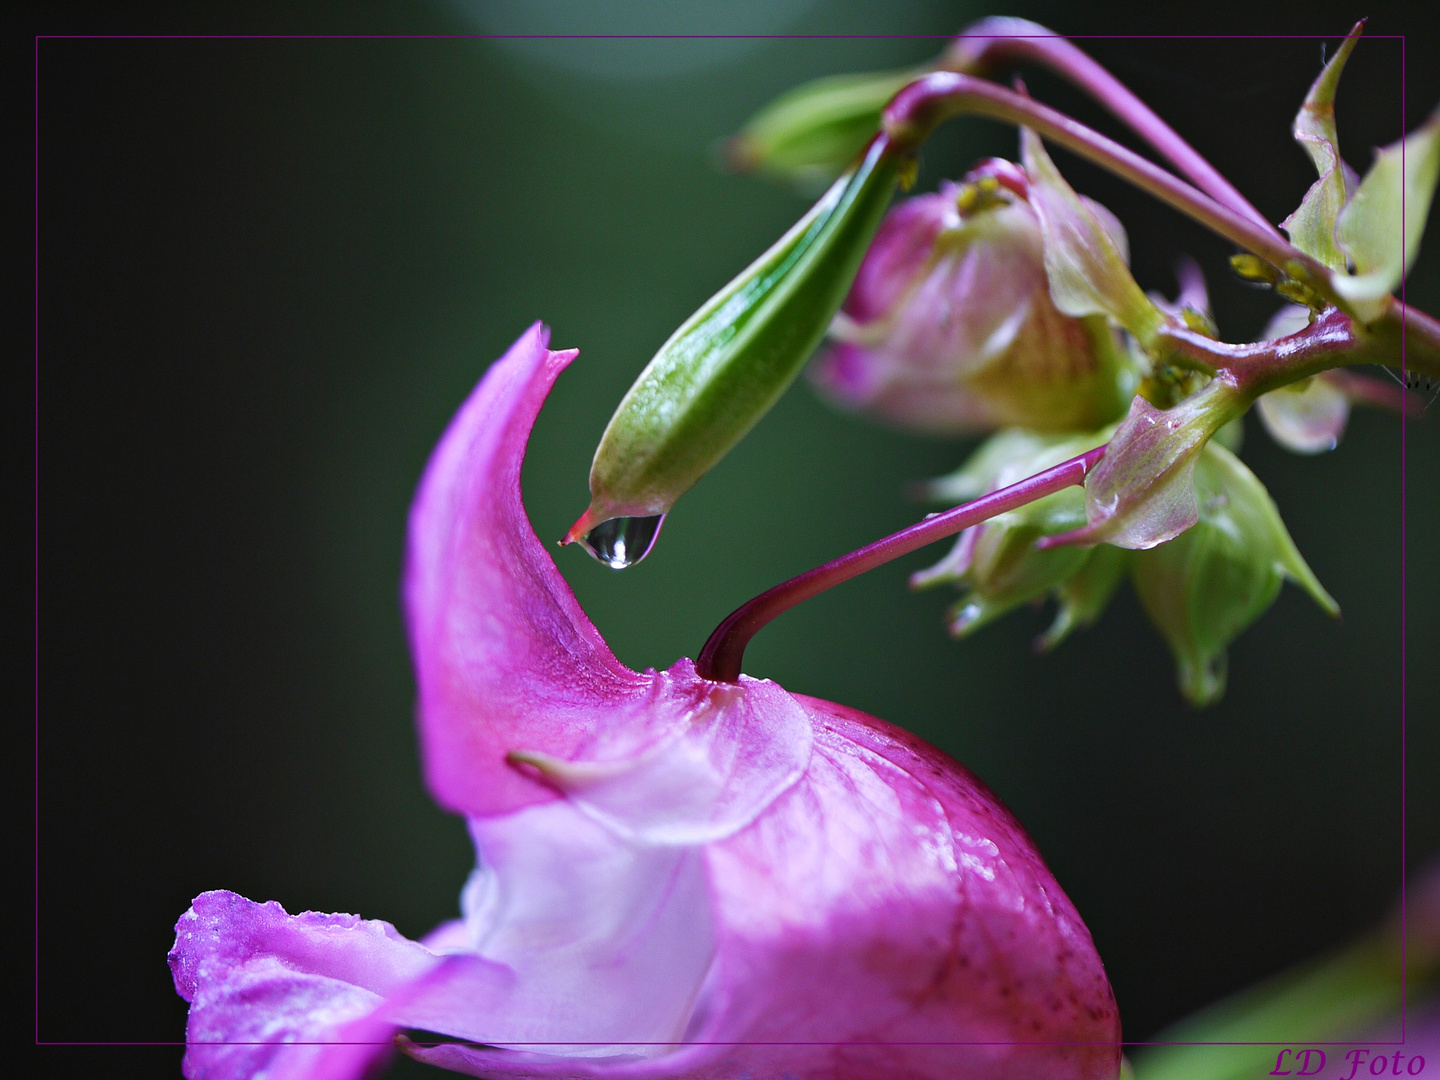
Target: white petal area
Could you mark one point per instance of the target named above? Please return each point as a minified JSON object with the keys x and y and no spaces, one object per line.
{"x":720,"y":756}
{"x":1307,"y":417}
{"x":609,"y":941}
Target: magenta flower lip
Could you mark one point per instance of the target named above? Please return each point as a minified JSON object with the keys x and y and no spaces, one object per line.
{"x":675,"y":877}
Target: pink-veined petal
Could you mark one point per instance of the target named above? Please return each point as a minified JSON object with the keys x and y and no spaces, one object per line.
{"x":504,"y":656}
{"x":724,"y":753}
{"x":886,"y":917}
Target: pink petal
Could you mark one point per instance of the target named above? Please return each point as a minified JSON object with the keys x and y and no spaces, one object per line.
{"x":1308,"y":418}
{"x":886,"y":917}
{"x":258,"y":979}
{"x":902,"y":245}
{"x":734,"y":749}
{"x":504,"y":656}
{"x":738,"y":882}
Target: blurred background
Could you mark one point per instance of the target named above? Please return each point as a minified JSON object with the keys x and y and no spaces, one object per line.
{"x":270,"y":270}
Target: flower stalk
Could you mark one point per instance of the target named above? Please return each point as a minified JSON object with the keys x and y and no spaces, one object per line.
{"x":1399,"y":332}
{"x":917,"y":110}
{"x":999,"y":41}
{"x":721,"y":657}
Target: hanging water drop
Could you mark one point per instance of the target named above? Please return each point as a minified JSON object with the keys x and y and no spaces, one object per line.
{"x":623,"y":541}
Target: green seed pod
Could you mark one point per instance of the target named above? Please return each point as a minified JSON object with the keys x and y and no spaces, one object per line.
{"x":730,"y":361}
{"x":1204,"y":587}
{"x":806,"y":136}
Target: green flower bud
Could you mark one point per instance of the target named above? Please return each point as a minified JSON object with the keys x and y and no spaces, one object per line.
{"x":1204,"y":587}
{"x":724,"y":368}
{"x":807,"y":135}
{"x":1085,"y":594}
{"x":997,"y":564}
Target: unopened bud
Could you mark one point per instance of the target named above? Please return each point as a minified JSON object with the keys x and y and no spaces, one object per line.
{"x":730,"y":361}
{"x":1204,"y":587}
{"x":806,"y":136}
{"x":997,"y":565}
{"x":950,"y":326}
{"x":1080,"y":599}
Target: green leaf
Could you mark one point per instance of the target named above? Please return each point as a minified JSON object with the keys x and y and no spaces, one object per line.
{"x":1312,"y":226}
{"x":1381,"y":226}
{"x":1084,"y":266}
{"x":1328,"y":998}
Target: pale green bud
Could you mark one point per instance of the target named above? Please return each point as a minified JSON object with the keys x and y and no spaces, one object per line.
{"x":723,"y":369}
{"x":807,"y":135}
{"x":1204,"y":587}
{"x":996,"y":564}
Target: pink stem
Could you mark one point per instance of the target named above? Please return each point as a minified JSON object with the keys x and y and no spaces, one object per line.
{"x":993,"y":42}
{"x":921,"y":106}
{"x":1380,"y":393}
{"x":722,"y":655}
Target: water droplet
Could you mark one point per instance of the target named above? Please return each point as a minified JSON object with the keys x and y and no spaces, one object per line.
{"x":623,"y":541}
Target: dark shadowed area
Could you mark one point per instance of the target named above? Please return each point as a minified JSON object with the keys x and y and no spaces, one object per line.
{"x":270,"y":270}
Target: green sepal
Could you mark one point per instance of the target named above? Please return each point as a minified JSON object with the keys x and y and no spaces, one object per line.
{"x":1380,"y":227}
{"x":723,"y":369}
{"x":1083,"y":596}
{"x":997,"y":564}
{"x":1203,"y":588}
{"x":808,"y":134}
{"x":1085,"y":267}
{"x":1006,"y":570}
{"x":1312,"y":226}
{"x":992,"y":457}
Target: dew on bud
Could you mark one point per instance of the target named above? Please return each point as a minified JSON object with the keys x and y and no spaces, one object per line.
{"x":622,"y":542}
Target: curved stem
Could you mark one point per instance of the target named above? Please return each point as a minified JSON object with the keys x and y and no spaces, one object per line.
{"x":1414,"y":338}
{"x":721,"y":657}
{"x":1331,"y":341}
{"x":994,"y":42}
{"x":927,"y":102}
{"x":1378,"y":393}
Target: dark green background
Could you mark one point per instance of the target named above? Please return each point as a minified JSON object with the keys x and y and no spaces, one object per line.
{"x":269,"y":271}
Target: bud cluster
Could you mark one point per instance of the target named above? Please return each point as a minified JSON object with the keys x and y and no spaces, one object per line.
{"x":1004,"y":303}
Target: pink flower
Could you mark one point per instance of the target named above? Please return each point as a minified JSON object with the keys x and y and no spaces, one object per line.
{"x":676,"y":877}
{"x":950,"y":325}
